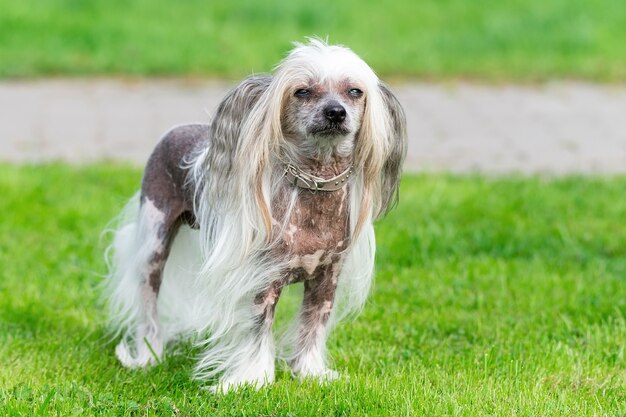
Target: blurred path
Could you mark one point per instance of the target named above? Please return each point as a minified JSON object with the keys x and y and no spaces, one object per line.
{"x":553,"y":128}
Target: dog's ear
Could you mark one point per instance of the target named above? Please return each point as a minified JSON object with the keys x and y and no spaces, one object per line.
{"x":230,"y":117}
{"x":237,"y":105}
{"x":392,"y":168}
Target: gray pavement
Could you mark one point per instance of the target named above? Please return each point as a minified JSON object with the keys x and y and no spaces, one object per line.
{"x":556,"y":128}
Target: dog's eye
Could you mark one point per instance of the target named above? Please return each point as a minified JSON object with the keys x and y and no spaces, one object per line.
{"x":355,"y":92}
{"x":302,"y":92}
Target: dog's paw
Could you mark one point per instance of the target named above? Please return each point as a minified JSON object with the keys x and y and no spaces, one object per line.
{"x":125,"y":357}
{"x":144,"y":357}
{"x":234,"y":382}
{"x":328,"y":375}
{"x":322,"y":375}
{"x":224,"y":387}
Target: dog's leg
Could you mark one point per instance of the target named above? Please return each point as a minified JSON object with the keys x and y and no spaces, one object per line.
{"x":253,"y":360}
{"x":155,"y":232}
{"x":165,"y":203}
{"x":310,"y":351}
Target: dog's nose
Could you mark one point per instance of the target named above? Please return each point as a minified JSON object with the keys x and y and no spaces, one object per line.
{"x":335,"y":112}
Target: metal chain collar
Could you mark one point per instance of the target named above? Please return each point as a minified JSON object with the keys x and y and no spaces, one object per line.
{"x":307,"y":181}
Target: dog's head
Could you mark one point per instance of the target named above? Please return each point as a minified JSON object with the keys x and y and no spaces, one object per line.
{"x":322,"y":101}
{"x":325,"y":92}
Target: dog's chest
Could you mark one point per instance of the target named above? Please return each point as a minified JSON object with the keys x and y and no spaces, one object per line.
{"x":316,"y":232}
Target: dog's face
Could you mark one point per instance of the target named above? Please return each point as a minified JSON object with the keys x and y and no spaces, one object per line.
{"x":320,"y":115}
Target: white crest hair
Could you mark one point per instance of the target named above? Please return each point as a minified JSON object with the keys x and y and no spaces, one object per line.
{"x":235,"y":185}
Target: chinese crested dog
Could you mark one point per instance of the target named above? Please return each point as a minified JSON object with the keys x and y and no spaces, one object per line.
{"x":281,"y":187}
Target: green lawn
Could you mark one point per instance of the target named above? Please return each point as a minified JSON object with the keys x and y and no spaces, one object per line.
{"x":483,"y":39}
{"x":493,"y":297}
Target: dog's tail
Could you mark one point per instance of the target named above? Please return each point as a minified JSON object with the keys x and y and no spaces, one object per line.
{"x":121,"y":288}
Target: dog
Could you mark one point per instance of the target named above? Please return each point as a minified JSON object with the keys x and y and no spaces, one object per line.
{"x":281,"y":187}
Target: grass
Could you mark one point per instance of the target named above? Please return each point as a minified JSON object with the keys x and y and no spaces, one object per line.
{"x":493,"y":297}
{"x":509,"y":39}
